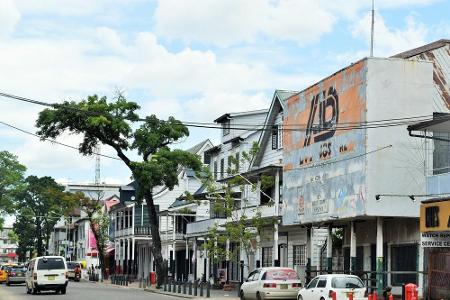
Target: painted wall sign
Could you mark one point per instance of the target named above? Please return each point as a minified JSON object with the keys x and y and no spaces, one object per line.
{"x":317,"y":186}
{"x":435,"y":239}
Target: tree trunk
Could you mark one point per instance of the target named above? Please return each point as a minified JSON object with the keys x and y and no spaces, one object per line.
{"x":100,"y":248}
{"x":156,"y":240}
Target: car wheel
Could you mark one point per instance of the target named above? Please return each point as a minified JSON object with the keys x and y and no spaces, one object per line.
{"x":34,"y":291}
{"x":241,"y":294}
{"x":8,"y":284}
{"x":258,"y":296}
{"x":63,"y":291}
{"x":299,"y":297}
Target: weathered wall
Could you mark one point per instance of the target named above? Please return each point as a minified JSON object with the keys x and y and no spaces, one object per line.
{"x":320,"y":179}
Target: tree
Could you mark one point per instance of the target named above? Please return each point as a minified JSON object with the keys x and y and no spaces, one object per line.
{"x":112,"y":124}
{"x":25,"y":230}
{"x":11,"y":182}
{"x":43,"y":199}
{"x":243,"y":222}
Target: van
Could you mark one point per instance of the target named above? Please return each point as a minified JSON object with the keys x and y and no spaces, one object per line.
{"x":47,"y":273}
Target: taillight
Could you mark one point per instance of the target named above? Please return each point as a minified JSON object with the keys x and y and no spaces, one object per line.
{"x":269,"y":285}
{"x":331,"y":294}
{"x":35,"y":276}
{"x":295,"y":285}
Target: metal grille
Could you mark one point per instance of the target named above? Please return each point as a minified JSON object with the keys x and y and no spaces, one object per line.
{"x":300,"y":255}
{"x":439,"y":275}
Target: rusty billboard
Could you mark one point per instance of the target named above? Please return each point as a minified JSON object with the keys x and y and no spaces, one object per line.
{"x":324,"y":163}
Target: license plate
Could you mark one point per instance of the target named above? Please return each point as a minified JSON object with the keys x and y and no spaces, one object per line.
{"x":51,"y":277}
{"x":283,"y":286}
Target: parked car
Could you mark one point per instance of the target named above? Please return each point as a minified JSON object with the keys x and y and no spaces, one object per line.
{"x":74,"y":270}
{"x":271,"y":283}
{"x":47,"y":273}
{"x":4,"y":271}
{"x":324,"y":286}
{"x":16,"y":274}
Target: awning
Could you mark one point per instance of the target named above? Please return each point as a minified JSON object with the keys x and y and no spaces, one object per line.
{"x":11,"y":255}
{"x":439,"y":123}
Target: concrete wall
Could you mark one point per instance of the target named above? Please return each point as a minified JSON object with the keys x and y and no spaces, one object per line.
{"x":396,"y":88}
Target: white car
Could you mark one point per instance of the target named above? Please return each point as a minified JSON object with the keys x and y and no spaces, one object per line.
{"x":47,"y":273}
{"x":271,"y":283}
{"x":323,"y":286}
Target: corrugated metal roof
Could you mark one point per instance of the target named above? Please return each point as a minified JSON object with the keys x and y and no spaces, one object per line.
{"x":422,"y":49}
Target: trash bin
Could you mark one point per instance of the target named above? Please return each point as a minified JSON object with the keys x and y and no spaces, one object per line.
{"x":152,"y":277}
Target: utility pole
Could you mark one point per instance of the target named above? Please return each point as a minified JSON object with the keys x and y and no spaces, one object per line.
{"x":372,"y":28}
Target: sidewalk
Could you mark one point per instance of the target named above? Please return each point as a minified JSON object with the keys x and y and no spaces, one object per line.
{"x":215,"y":294}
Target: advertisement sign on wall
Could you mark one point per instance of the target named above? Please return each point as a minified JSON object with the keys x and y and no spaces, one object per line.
{"x":324,"y":167}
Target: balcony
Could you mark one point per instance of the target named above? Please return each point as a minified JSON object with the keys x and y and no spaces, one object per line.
{"x":142,"y":231}
{"x":168,"y":236}
{"x":438,"y":184}
{"x":200,"y":228}
{"x":123,"y":232}
{"x":250,"y":212}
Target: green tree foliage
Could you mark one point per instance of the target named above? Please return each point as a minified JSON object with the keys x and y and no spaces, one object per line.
{"x":43,"y":199}
{"x":25,"y":229}
{"x":243,"y":222}
{"x":118,"y":125}
{"x":11,"y":182}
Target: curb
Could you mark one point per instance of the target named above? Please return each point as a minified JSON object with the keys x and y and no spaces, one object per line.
{"x":171,"y":294}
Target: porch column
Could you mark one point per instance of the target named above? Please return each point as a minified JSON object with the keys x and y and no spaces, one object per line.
{"x":186,"y":257}
{"x":330,"y":249}
{"x":227,"y":258}
{"x":380,"y":257}
{"x":133,"y":268}
{"x":276,"y":258}
{"x":205,"y":261}
{"x":175,"y":273}
{"x":195,"y":258}
{"x":352,"y":247}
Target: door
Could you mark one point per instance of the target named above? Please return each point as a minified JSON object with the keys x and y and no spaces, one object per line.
{"x":321,"y":289}
{"x":250,"y":286}
{"x":310,"y":293}
{"x":283,"y":251}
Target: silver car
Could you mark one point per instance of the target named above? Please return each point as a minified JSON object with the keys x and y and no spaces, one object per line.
{"x":16,"y":275}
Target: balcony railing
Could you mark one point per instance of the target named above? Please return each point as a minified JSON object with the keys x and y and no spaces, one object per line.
{"x":168,"y":236}
{"x":265,"y":211}
{"x":142,"y":230}
{"x":202,"y":227}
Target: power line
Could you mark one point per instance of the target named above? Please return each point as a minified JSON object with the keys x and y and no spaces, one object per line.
{"x":52,"y":140}
{"x":262,"y":127}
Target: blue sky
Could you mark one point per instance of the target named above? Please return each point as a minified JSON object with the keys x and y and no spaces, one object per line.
{"x":194,"y":59}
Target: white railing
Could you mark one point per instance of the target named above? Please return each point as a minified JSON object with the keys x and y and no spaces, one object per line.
{"x":203,"y":226}
{"x":265,"y":211}
{"x":123,"y":232}
{"x":168,"y":236}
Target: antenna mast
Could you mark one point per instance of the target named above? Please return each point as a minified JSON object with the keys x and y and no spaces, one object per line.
{"x":372,"y":28}
{"x":97,"y":165}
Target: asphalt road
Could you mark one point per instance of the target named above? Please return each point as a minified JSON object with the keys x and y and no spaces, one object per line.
{"x":81,"y":291}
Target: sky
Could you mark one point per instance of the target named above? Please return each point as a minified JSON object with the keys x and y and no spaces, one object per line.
{"x":191,"y":59}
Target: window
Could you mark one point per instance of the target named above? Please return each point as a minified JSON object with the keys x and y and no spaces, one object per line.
{"x":313,"y":283}
{"x":322,"y":283}
{"x":222,"y":168}
{"x":226,"y":127}
{"x":432,"y":216}
{"x":51,"y":264}
{"x":347,"y":282}
{"x":404,"y":258}
{"x":280,"y":274}
{"x":237,"y":161}
{"x":215,"y":170}
{"x":267,"y":256}
{"x":277,"y":137}
{"x":253,"y":276}
{"x":299,"y":255}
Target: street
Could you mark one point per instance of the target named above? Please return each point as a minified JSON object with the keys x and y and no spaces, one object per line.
{"x":81,"y":291}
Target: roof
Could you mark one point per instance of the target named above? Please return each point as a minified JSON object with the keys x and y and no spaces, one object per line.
{"x":422,"y":49}
{"x":238,"y":114}
{"x":196,"y":148}
{"x":435,"y":200}
{"x":439,"y":123}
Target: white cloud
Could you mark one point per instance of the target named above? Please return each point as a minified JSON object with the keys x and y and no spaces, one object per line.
{"x":9,"y":17}
{"x":227,"y":22}
{"x":389,"y":41}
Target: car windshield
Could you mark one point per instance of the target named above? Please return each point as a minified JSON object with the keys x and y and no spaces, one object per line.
{"x":346,"y":283}
{"x":72,"y":265}
{"x":51,"y":263}
{"x":282,"y":274}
